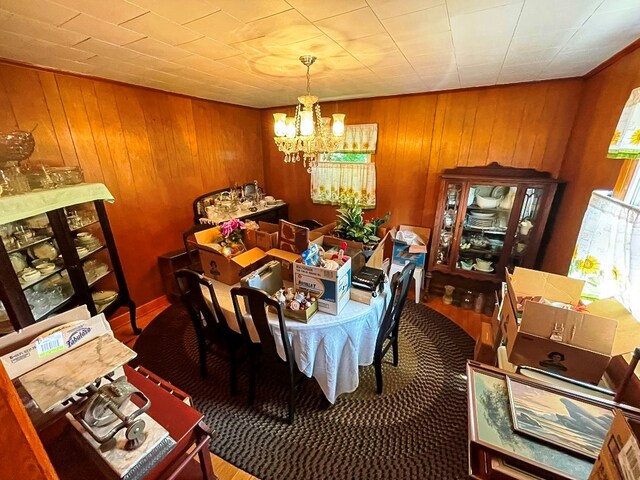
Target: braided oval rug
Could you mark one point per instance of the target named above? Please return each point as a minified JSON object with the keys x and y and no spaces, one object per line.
{"x":416,"y":430}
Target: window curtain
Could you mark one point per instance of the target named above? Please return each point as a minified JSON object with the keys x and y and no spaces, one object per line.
{"x":626,"y":138}
{"x":361,"y":138}
{"x":335,"y":183}
{"x":607,"y":253}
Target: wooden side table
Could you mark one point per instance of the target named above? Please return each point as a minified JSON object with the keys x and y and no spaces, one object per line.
{"x":184,"y":424}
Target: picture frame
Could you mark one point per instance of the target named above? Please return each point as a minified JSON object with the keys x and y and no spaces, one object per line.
{"x":578,"y":426}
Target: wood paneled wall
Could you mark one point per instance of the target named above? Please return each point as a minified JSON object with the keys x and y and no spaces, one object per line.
{"x":585,"y":167}
{"x":420,"y":135}
{"x":155,"y":151}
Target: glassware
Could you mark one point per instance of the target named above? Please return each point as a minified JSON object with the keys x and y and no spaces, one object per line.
{"x":448,"y":294}
{"x":39,"y":177}
{"x":13,"y":181}
{"x":466,"y":300}
{"x":63,"y":176}
{"x":479,"y":303}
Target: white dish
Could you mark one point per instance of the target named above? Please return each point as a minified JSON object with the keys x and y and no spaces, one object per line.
{"x":482,"y":214}
{"x":489,"y":270}
{"x":104,"y":296}
{"x":499,"y":192}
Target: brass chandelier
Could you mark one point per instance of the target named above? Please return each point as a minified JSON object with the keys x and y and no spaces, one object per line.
{"x":307,"y":134}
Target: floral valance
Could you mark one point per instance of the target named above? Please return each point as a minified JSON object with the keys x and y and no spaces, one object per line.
{"x":626,"y":138}
{"x":336,"y":183}
{"x":360,"y":138}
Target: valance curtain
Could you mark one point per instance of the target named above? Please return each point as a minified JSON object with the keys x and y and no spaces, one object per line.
{"x":361,"y":138}
{"x":626,"y":138}
{"x":335,"y":183}
{"x":607,"y":253}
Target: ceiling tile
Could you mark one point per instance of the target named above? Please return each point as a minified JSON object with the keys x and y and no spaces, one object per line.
{"x":432,"y":71}
{"x":43,"y":31}
{"x":43,"y":10}
{"x":101,"y":30}
{"x":613,"y":5}
{"x":106,"y":49}
{"x":156,"y":48}
{"x":314,"y":10}
{"x":393,"y":8}
{"x":348,"y":26}
{"x":479,"y":57}
{"x":207,"y":47}
{"x":541,"y":41}
{"x":112,"y":11}
{"x":182,"y":11}
{"x":490,"y":29}
{"x":285,"y":28}
{"x":377,"y":44}
{"x":518,"y":58}
{"x":388,"y":59}
{"x":425,"y":44}
{"x":440,"y":57}
{"x":160,"y":28}
{"x":540,"y":16}
{"x":462,"y":7}
{"x":223,"y":27}
{"x":532,"y":69}
{"x":250,"y":10}
{"x":418,"y":24}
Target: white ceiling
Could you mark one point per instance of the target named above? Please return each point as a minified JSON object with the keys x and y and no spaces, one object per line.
{"x":246,"y":51}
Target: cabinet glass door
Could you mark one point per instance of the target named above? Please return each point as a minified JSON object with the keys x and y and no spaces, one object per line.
{"x":449,"y":221}
{"x":90,"y":245}
{"x":36,"y":261}
{"x":528,"y":225}
{"x":485,"y":227}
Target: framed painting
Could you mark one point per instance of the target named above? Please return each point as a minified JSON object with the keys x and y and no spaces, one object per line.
{"x":490,"y":426}
{"x":575,"y":425}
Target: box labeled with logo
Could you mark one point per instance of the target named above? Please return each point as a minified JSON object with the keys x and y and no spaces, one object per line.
{"x":331,"y":287}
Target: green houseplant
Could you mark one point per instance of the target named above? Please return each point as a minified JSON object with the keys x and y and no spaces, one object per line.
{"x":351,"y":225}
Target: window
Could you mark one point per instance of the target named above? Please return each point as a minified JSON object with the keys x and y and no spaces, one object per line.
{"x":348,"y":174}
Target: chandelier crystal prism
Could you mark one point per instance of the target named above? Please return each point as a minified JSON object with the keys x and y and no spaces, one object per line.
{"x":307,"y":134}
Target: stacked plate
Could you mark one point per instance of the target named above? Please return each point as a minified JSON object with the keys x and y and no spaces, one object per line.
{"x":103,"y":297}
{"x":481,"y":219}
{"x":86,"y":240}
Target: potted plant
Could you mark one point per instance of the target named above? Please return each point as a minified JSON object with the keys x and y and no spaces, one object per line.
{"x":351,"y":225}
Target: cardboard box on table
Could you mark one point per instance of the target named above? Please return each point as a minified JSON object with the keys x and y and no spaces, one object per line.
{"x":265,"y":238}
{"x":228,"y":270}
{"x":619,"y":458}
{"x":589,"y":339}
{"x":330,"y":287}
{"x":286,"y":259}
{"x":404,"y":253}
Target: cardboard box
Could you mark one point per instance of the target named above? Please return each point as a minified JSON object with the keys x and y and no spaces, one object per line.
{"x":286,"y":259}
{"x":330,"y":243}
{"x":330,"y":287}
{"x":485,"y":349}
{"x":361,"y":296}
{"x":404,"y":253}
{"x":619,"y":458}
{"x":301,"y":315}
{"x":228,"y":270}
{"x":25,"y":350}
{"x":583,"y":343}
{"x":265,"y":238}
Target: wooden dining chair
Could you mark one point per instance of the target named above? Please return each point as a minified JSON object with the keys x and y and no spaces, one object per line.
{"x":212,"y":331}
{"x":388,"y":334}
{"x":265,"y":354}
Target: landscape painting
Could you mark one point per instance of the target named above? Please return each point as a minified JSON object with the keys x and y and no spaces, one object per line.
{"x":493,"y":427}
{"x":575,"y":425}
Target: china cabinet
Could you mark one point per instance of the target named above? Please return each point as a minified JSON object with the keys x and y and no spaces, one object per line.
{"x":57,"y":251}
{"x":489,"y":218}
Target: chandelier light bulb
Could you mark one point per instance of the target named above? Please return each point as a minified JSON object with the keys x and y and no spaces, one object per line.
{"x":338,"y":124}
{"x":280,"y":124}
{"x":306,"y":123}
{"x":290,"y":127}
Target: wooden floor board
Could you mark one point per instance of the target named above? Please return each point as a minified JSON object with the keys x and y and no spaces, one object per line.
{"x":468,"y":320}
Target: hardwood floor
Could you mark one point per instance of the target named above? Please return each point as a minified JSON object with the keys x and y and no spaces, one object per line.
{"x":466,"y":319}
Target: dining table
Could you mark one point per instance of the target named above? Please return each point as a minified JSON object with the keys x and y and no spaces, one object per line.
{"x":329,"y":348}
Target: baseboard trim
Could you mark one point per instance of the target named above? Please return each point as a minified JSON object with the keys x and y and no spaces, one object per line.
{"x":155,"y":304}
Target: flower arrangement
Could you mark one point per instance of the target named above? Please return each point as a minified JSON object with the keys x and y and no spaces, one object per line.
{"x":231,"y":240}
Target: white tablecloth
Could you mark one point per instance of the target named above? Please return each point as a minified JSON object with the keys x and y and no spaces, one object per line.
{"x":329,"y":348}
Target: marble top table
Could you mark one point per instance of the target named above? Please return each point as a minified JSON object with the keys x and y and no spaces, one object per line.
{"x":329,"y":348}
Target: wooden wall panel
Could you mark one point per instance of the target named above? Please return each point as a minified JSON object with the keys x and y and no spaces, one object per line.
{"x":585,"y":167}
{"x":421,"y":135}
{"x":155,"y":151}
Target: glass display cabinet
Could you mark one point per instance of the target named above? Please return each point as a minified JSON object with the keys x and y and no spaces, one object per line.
{"x":489,"y":218}
{"x":57,"y":251}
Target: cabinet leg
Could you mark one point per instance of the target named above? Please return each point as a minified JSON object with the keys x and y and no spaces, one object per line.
{"x":132,"y":317}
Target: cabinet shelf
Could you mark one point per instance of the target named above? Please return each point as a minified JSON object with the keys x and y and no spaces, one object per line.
{"x":91,"y":252}
{"x":54,"y":308}
{"x":42,"y":277}
{"x":75,"y":229}
{"x":23,"y":247}
{"x":95,"y":280}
